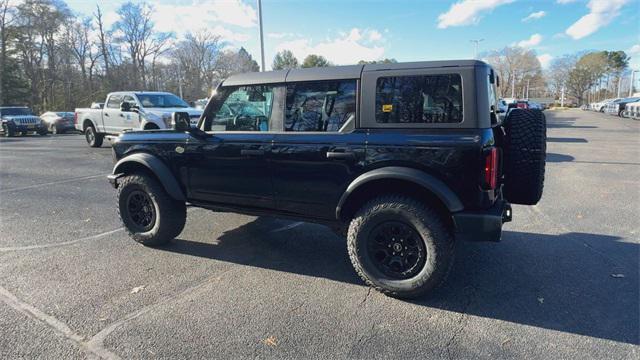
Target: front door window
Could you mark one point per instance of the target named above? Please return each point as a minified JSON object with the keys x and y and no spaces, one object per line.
{"x":244,"y":108}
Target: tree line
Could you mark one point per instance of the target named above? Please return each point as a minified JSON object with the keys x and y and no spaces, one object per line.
{"x":585,"y":76}
{"x":53,"y":59}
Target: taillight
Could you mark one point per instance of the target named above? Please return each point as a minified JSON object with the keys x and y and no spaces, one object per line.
{"x":491,"y":169}
{"x":75,"y":118}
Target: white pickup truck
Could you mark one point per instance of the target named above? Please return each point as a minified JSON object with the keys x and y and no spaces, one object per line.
{"x":131,"y":110}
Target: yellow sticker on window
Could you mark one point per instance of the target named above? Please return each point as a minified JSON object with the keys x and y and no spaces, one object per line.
{"x":387,"y":108}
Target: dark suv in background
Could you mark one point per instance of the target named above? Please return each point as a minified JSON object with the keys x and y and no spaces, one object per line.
{"x":408,"y":157}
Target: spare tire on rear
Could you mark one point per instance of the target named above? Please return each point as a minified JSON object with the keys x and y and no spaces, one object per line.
{"x":525,"y":151}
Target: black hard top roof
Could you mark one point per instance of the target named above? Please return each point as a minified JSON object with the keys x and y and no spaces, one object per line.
{"x":337,"y":72}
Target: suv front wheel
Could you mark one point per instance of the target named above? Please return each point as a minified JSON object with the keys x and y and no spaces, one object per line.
{"x":399,"y":246}
{"x":149,"y":214}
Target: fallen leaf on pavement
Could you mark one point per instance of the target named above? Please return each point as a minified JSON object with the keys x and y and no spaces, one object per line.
{"x":541,"y":300}
{"x":271,"y":341}
{"x":617,"y":275}
{"x":137,"y":289}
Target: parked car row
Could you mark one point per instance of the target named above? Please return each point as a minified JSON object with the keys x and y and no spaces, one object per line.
{"x":623,"y":107}
{"x":121,"y":111}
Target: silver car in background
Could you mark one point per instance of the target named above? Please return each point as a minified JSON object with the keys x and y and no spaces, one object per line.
{"x":58,"y":122}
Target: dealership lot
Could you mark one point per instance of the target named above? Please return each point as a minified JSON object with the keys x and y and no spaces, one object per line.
{"x":563,"y":283}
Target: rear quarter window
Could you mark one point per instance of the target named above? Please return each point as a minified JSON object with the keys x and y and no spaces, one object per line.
{"x":419,"y":99}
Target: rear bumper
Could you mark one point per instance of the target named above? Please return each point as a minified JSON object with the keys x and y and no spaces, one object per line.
{"x":483,"y":225}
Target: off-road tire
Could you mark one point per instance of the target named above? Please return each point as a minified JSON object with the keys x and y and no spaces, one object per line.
{"x":525,"y":152}
{"x":43,"y":132}
{"x":435,"y":235}
{"x":94,"y":139}
{"x":7,"y":131}
{"x":170,"y":214}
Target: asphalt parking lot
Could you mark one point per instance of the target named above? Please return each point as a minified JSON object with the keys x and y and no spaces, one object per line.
{"x":563,"y":283}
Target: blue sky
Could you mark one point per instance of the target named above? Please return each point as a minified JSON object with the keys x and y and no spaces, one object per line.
{"x":347,"y":31}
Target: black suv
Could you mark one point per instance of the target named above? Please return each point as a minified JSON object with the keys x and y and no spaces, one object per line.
{"x":407,"y":157}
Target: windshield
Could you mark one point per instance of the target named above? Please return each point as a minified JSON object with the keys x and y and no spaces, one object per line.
{"x":161,"y":101}
{"x":16,"y":111}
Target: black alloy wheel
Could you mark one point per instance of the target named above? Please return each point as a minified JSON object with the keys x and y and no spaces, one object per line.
{"x":141,"y":210}
{"x":397,"y":250}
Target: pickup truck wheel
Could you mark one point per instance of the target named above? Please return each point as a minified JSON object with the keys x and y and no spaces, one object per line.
{"x":94,"y":139}
{"x":149,"y":214}
{"x":525,"y":152}
{"x":399,"y":246}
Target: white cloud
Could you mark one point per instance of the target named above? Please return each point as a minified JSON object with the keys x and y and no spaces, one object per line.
{"x":201,"y":14}
{"x":348,"y":48}
{"x":534,"y":40}
{"x":467,"y":12}
{"x":229,"y":35}
{"x":565,"y":1}
{"x":281,"y":35}
{"x":534,"y":16}
{"x":634,"y":52}
{"x":601,"y":13}
{"x":374,"y":35}
{"x":205,"y":15}
{"x":545,"y":60}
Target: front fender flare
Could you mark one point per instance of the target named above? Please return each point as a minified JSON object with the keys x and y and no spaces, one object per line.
{"x":429,"y":182}
{"x":157,"y":167}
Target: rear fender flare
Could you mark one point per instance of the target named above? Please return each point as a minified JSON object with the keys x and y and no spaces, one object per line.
{"x":421,"y":178}
{"x":157,"y":167}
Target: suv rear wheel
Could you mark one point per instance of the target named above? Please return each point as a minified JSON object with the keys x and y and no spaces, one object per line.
{"x":399,"y":246}
{"x":149,"y":214}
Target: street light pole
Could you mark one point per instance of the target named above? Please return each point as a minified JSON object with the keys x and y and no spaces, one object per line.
{"x":261,"y":35}
{"x":631,"y":82}
{"x":476,"y":42}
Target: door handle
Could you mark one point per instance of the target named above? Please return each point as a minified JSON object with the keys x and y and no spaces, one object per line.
{"x":251,"y":152}
{"x":107,"y":115}
{"x":121,"y":115}
{"x":342,"y":155}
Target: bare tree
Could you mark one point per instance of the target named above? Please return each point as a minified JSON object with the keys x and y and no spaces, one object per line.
{"x":198,"y":57}
{"x":141,"y":39}
{"x":517,"y":68}
{"x":7,"y":17}
{"x":102,"y":38}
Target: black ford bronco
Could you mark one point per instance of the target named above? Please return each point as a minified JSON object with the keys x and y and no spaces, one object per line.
{"x":408,"y":158}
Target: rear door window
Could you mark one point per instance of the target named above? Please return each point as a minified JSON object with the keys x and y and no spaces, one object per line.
{"x":419,"y":99}
{"x":323,"y":106}
{"x":114,"y":102}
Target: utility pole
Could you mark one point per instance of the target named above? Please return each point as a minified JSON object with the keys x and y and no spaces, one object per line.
{"x":631,"y":82}
{"x":513,"y":85}
{"x":562,"y":97}
{"x":476,"y":42}
{"x":528,"y":89}
{"x":619,"y":85}
{"x":261,"y":35}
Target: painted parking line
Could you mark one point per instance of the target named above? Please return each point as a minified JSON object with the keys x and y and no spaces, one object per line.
{"x":43,"y":246}
{"x":54,"y":183}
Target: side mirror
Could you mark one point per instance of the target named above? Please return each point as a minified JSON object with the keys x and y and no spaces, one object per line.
{"x":180,"y":121}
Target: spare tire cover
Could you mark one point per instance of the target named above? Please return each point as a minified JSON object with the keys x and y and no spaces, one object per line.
{"x":525,"y":152}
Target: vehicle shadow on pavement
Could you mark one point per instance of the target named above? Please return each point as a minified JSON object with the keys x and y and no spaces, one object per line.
{"x":567,"y":140}
{"x":567,"y":123}
{"x":550,"y":281}
{"x":554,"y":157}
